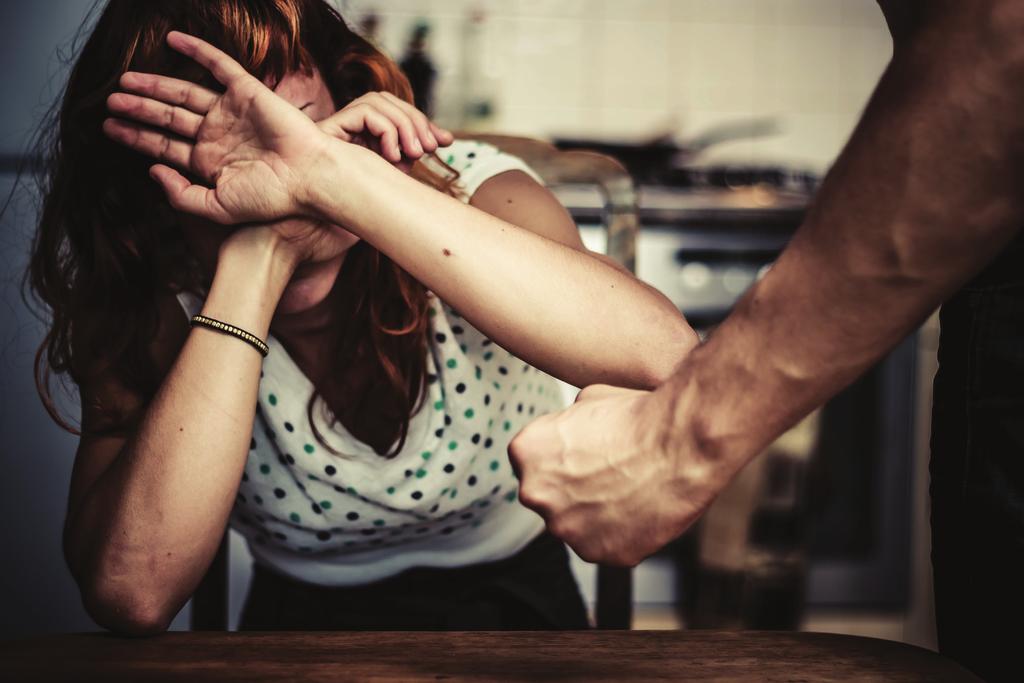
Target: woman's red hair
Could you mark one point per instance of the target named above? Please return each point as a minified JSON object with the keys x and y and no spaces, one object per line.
{"x":108,"y":247}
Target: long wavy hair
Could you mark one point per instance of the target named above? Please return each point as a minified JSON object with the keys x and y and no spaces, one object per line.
{"x":108,"y":245}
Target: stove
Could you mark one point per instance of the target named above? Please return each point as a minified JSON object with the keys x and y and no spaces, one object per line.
{"x":703,"y":242}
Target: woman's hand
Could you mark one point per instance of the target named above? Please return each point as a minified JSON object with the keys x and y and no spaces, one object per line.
{"x":248,"y":142}
{"x":252,"y":146}
{"x":388,"y":125}
{"x":292,"y":240}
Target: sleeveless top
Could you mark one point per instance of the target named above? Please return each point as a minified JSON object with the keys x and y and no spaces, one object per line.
{"x":447,"y":499}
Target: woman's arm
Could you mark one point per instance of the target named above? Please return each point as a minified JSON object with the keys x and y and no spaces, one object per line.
{"x":146,"y":513}
{"x":514,"y":265}
{"x":518,"y":199}
{"x":548,"y":302}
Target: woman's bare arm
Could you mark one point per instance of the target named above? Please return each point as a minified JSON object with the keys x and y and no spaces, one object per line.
{"x":553,"y":305}
{"x":146,"y":513}
{"x":605,"y":343}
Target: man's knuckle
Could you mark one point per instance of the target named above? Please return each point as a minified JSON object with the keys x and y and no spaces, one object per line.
{"x":586,"y":552}
{"x":531,"y":499}
{"x":562,"y":528}
{"x":618,"y":557}
{"x":516,"y":453}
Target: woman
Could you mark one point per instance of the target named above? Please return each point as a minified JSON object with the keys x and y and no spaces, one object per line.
{"x":364,"y":458}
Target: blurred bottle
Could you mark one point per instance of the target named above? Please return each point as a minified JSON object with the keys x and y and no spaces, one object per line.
{"x":369,"y":28}
{"x":419,"y":68}
{"x":776,"y":563}
{"x":746,"y":567}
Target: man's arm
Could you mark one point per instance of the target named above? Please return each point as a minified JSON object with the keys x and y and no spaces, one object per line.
{"x":927,"y":191}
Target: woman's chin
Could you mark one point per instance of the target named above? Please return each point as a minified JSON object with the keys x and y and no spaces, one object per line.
{"x":301,"y":296}
{"x":309,"y":286}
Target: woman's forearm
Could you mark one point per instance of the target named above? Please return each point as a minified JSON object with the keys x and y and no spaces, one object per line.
{"x":554,"y":306}
{"x":145,"y":533}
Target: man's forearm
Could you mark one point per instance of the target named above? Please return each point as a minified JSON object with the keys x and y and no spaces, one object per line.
{"x":926,"y":192}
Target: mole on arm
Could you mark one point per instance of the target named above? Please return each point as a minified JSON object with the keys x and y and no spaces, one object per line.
{"x":446,"y":252}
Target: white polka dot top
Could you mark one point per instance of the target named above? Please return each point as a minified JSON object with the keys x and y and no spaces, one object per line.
{"x":449,"y":498}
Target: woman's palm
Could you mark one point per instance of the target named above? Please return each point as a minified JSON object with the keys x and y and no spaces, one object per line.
{"x":248,"y":147}
{"x":247,"y":143}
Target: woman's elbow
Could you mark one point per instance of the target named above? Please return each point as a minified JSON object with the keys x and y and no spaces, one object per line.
{"x":127,"y":612}
{"x":660,"y":363}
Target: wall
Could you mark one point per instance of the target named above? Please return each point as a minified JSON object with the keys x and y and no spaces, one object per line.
{"x":637,"y":69}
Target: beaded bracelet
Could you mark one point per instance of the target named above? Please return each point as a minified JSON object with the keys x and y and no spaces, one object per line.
{"x":226,"y":328}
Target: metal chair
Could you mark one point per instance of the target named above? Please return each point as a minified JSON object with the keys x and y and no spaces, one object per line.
{"x":614,"y":609}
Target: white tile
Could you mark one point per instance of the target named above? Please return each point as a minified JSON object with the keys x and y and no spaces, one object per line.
{"x":541,"y":122}
{"x":863,"y":13}
{"x":621,"y":68}
{"x":806,"y":67}
{"x":805,"y":53}
{"x":570,"y":9}
{"x":864,"y":54}
{"x":631,"y":63}
{"x":805,"y":12}
{"x":718,"y":11}
{"x":545,"y":64}
{"x":726,"y":54}
{"x":724,"y":97}
{"x":639,"y":10}
{"x":816,"y":139}
{"x":634,"y":123}
{"x":684,"y":68}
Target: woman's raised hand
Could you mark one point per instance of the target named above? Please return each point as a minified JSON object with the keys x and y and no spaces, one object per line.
{"x":250,"y":145}
{"x":389,"y":125}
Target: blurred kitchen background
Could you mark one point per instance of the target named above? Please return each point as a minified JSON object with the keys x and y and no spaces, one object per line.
{"x":727,"y":113}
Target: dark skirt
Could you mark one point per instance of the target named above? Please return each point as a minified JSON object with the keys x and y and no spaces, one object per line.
{"x":533,"y":589}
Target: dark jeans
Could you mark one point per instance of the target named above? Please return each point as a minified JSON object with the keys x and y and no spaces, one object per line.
{"x":533,"y":589}
{"x":977,"y":470}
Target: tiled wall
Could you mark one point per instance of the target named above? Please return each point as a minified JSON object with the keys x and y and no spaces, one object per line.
{"x":634,"y":69}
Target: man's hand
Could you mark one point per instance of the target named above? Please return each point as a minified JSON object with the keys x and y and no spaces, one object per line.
{"x":605,"y":478}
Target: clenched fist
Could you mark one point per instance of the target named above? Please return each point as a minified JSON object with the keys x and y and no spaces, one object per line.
{"x":607,"y":479}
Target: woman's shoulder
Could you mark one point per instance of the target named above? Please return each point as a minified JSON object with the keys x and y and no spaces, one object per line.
{"x":477,"y":162}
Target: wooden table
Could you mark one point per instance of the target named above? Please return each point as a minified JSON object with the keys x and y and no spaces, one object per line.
{"x":491,"y":656}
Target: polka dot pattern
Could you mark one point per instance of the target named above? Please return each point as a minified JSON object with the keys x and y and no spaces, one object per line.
{"x":297,"y":496}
